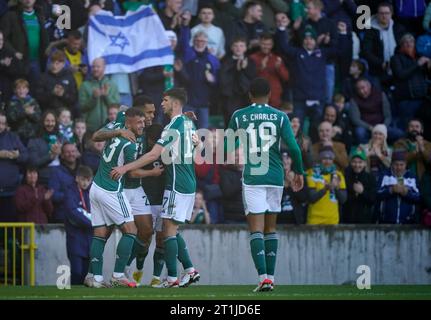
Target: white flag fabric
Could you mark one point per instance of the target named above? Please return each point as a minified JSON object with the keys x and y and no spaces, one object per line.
{"x":129,"y":43}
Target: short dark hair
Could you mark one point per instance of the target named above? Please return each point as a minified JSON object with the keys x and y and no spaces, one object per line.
{"x":266,"y":36}
{"x":134,"y":112}
{"x":417,"y":120}
{"x":362,"y":79}
{"x":206,"y":6}
{"x":239,"y":39}
{"x":67,"y":143}
{"x":385,"y":4}
{"x":84,"y":171}
{"x":31,"y":168}
{"x":154,"y":132}
{"x":259,"y":88}
{"x":179,"y":94}
{"x":75,"y":34}
{"x":142,"y":100}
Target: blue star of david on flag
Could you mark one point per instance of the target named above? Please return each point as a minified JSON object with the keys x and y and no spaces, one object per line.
{"x":119,"y":40}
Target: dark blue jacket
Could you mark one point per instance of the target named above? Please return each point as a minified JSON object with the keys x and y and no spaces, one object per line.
{"x":341,"y":11}
{"x":61,"y":178}
{"x":394,"y":208}
{"x":91,"y":159}
{"x":309,"y":80}
{"x":9,"y":169}
{"x":78,"y":227}
{"x":410,"y":8}
{"x":193,"y":73}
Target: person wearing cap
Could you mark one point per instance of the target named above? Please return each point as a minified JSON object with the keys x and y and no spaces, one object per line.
{"x":398,"y":193}
{"x":327,"y":190}
{"x":361,"y":190}
{"x":377,"y":151}
{"x":308,"y":65}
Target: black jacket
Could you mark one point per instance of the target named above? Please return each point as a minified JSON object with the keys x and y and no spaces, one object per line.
{"x":372,"y":48}
{"x":358,"y":208}
{"x":234,"y":82}
{"x":15,"y":34}
{"x":410,"y":79}
{"x":44,"y":91}
{"x":231,"y":187}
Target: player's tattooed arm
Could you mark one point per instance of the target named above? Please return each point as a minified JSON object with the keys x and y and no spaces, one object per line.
{"x":141,"y":173}
{"x":104,"y":135}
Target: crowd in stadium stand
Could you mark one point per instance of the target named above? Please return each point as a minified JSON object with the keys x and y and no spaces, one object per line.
{"x":358,"y":100}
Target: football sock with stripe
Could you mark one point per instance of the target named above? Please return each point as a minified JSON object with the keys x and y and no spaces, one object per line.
{"x":183,"y":253}
{"x":124,"y":249}
{"x":96,"y":256}
{"x":171,"y":253}
{"x":141,"y":253}
{"x":158,"y":261}
{"x":271,"y":245}
{"x":257,"y":246}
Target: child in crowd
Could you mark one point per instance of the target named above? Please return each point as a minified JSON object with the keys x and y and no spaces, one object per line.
{"x":200,"y":213}
{"x":65,"y":125}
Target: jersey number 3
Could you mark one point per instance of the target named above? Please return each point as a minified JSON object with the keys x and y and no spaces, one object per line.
{"x":112,"y":146}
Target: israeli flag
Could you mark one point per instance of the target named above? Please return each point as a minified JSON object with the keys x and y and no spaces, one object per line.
{"x":129,"y":43}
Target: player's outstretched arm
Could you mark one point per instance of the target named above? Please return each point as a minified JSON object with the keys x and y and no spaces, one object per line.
{"x":147,"y":158}
{"x":106,"y":134}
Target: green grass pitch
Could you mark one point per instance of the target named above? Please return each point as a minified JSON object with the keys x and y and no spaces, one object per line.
{"x":198,"y":292}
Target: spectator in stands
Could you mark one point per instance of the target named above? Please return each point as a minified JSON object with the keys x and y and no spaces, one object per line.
{"x":231,"y":186}
{"x":327,"y":190}
{"x":92,"y":154}
{"x":32,"y":200}
{"x":309,"y":67}
{"x":76,"y":57}
{"x":200,"y":214}
{"x":62,"y":177}
{"x":216,"y":39}
{"x":341,"y":159}
{"x":65,"y":125}
{"x":77,"y":223}
{"x":377,"y":150}
{"x":271,"y":67}
{"x":57,"y":88}
{"x":236,"y":73}
{"x":358,"y":69}
{"x":208,"y":177}
{"x":426,"y":23}
{"x":398,"y":192}
{"x":12,"y":155}
{"x":44,"y":150}
{"x":23,"y":112}
{"x":303,"y":141}
{"x":326,"y":37}
{"x":410,"y":14}
{"x":361,"y":190}
{"x":292,"y":203}
{"x":251,"y":26}
{"x":10,"y":69}
{"x":96,"y":95}
{"x":380,"y":42}
{"x":198,"y":73}
{"x":369,"y":107}
{"x":417,"y":148}
{"x":226,"y":15}
{"x":426,"y":196}
{"x":171,"y":14}
{"x":79,"y":133}
{"x":24,"y":31}
{"x":410,"y":80}
{"x":340,"y":129}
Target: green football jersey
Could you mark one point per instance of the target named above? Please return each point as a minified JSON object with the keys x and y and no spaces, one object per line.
{"x":113,"y":155}
{"x":263,"y":128}
{"x":177,"y":138}
{"x":130,"y":156}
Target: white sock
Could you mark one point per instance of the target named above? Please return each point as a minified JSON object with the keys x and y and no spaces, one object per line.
{"x":190,"y":270}
{"x":89,"y":275}
{"x":154,"y":277}
{"x":98,"y":278}
{"x":172,"y":279}
{"x":271,"y":278}
{"x":118,"y":274}
{"x":262,"y":277}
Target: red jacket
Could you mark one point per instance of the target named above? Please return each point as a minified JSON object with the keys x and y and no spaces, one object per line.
{"x":31,"y":205}
{"x":275,"y":76}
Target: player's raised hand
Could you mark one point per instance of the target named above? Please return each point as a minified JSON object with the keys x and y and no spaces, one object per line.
{"x":117,"y":173}
{"x":298,"y":182}
{"x":127,"y":134}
